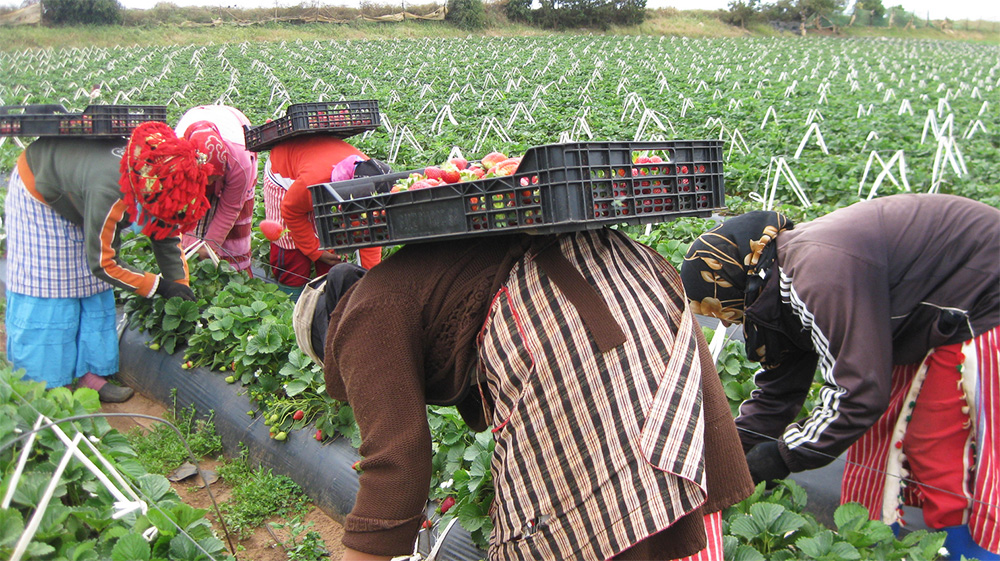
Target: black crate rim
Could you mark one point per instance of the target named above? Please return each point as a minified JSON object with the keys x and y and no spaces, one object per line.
{"x":288,"y":126}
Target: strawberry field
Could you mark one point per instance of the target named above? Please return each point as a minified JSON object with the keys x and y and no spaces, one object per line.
{"x":807,"y":125}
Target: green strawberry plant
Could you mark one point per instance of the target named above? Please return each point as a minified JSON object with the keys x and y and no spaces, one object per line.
{"x":77,"y":523}
{"x":772,"y":525}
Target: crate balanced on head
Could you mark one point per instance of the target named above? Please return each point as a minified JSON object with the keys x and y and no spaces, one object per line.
{"x":86,"y":178}
{"x":513,"y":300}
{"x":555,"y":188}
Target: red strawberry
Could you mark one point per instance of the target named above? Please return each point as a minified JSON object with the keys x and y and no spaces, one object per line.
{"x":477,"y":171}
{"x":433,"y":172}
{"x":492,"y":159}
{"x":450,"y":174}
{"x":655,"y":159}
{"x":319,"y":435}
{"x":298,"y":415}
{"x":506,"y":167}
{"x":460,"y":163}
{"x":271,"y":229}
{"x":425,"y":183}
{"x":643,"y":160}
{"x":427,"y":524}
{"x":447,"y":503}
{"x":356,"y":466}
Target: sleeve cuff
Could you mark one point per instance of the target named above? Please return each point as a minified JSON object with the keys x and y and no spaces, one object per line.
{"x":381,"y":537}
{"x":156,"y":284}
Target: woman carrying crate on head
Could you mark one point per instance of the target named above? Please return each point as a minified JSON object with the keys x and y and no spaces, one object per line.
{"x":614,"y":439}
{"x":217,"y":132}
{"x":292,"y":166}
{"x":68,"y":201}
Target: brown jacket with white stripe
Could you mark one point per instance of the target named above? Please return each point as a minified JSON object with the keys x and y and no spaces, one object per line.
{"x":873,"y":285}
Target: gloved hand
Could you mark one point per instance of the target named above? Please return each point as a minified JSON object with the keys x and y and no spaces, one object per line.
{"x":169,"y":289}
{"x":766,"y":464}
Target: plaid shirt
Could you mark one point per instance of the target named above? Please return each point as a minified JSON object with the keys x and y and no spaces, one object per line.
{"x":45,"y":252}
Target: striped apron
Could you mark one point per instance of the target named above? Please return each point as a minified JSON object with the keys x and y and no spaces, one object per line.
{"x":274,"y":187}
{"x":594,"y":450}
{"x":875,"y":471}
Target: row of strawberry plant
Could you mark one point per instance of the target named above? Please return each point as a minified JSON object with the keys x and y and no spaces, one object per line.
{"x":81,"y":520}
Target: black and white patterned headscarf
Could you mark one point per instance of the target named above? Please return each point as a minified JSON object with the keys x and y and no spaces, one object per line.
{"x":726,"y":268}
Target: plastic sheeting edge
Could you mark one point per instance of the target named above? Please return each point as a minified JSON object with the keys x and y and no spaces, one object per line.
{"x":323,"y":470}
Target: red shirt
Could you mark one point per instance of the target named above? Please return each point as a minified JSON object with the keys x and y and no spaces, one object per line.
{"x":308,"y":160}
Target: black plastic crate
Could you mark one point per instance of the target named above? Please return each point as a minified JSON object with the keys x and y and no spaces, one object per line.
{"x":96,"y":120}
{"x":342,"y":119}
{"x":557,"y":188}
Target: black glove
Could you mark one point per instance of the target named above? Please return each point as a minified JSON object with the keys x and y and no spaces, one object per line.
{"x":765,"y":463}
{"x":169,"y":289}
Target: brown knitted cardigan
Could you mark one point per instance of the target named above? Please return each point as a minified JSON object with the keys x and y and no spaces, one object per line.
{"x":405,"y":336}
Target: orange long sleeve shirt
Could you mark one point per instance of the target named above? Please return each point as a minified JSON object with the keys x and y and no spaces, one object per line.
{"x":308,"y":160}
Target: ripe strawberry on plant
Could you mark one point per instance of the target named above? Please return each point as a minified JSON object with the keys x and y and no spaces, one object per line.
{"x":447,"y":503}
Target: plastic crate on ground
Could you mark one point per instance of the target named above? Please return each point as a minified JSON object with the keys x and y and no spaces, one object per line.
{"x":342,"y":119}
{"x":557,"y":188}
{"x":96,"y":120}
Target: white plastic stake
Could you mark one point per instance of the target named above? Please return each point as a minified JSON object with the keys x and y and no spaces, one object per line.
{"x":737,"y":141}
{"x":814,"y":115}
{"x":780,"y":169}
{"x":718,"y":341}
{"x":445,"y":113}
{"x":897,"y":157}
{"x":819,"y":140}
{"x":649,"y":117}
{"x":973,"y":126}
{"x":769,"y":113}
{"x":905,"y":107}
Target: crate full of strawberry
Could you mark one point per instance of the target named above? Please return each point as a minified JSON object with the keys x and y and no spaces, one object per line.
{"x":551,"y":188}
{"x":342,"y":119}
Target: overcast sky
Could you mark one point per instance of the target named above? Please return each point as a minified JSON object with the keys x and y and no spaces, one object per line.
{"x":937,"y":9}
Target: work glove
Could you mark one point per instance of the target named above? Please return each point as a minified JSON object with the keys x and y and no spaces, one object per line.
{"x":169,"y":289}
{"x":766,"y":464}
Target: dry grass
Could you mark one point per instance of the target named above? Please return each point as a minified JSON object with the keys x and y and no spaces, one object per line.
{"x":166,"y":24}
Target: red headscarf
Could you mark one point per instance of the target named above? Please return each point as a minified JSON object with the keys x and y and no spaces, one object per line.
{"x":162,"y":181}
{"x":207,"y":140}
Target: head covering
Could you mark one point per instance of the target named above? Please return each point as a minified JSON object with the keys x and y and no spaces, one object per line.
{"x":207,"y":141}
{"x":162,"y":182}
{"x":311,"y":314}
{"x":344,"y":170}
{"x":371,"y":167}
{"x":726,"y":268}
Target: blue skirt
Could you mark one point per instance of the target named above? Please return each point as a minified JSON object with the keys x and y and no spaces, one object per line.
{"x":56,"y":340}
